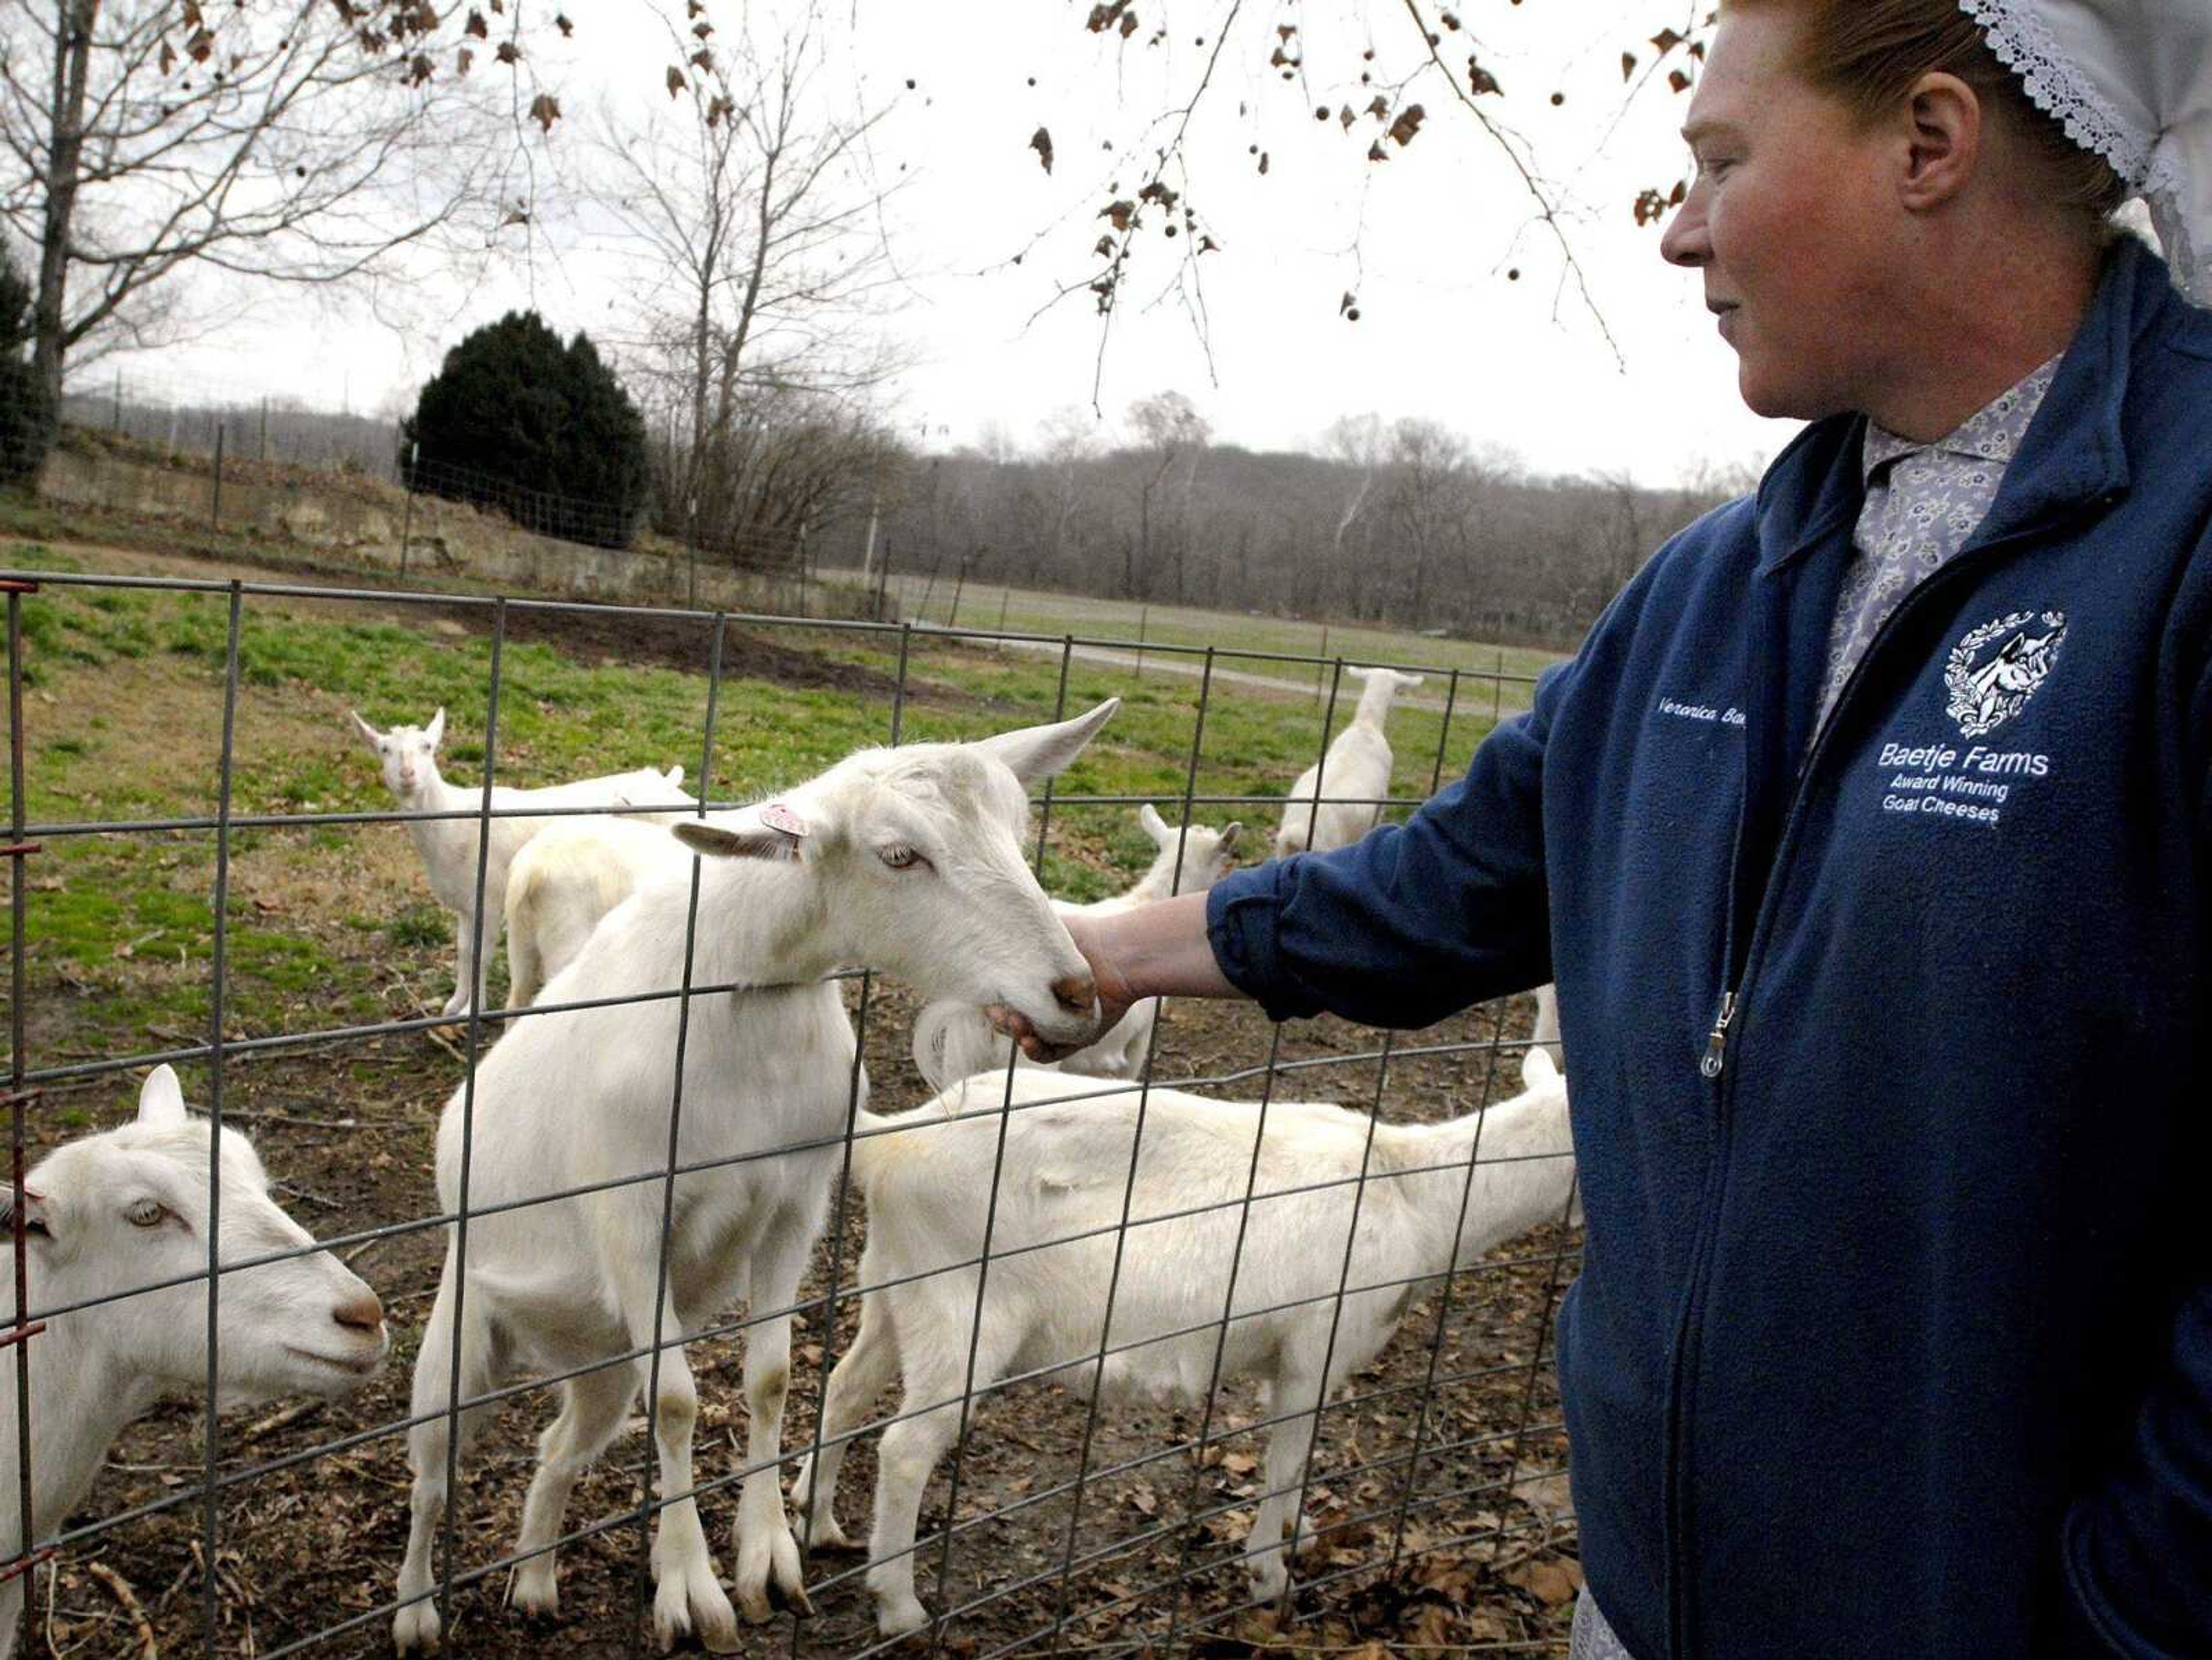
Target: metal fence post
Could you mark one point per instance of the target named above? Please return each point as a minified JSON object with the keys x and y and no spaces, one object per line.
{"x":19,"y":1096}
{"x":691,"y":551}
{"x":1143,"y":620}
{"x":407,"y":512}
{"x":215,"y":512}
{"x":959,"y":582}
{"x":212,"y":1514}
{"x":929,"y":588}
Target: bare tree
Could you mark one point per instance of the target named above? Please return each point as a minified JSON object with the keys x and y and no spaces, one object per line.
{"x":1360,"y":443}
{"x":1172,"y":435}
{"x":1626,"y":532}
{"x":1069,"y":442}
{"x":308,"y":141}
{"x":748,"y":208}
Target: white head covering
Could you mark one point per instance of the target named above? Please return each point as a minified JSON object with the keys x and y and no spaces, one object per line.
{"x":2132,"y":80}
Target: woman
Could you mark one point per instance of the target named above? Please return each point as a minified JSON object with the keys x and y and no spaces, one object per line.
{"x":1866,"y":838}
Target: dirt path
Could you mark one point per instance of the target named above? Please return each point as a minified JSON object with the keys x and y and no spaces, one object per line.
{"x":1191,"y":667}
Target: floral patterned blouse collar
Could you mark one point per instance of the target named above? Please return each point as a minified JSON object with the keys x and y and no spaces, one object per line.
{"x":1992,"y":433}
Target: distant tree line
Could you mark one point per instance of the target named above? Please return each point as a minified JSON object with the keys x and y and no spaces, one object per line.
{"x":1402,"y":522}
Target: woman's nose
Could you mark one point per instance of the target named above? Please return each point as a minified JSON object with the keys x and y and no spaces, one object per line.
{"x":1684,"y":242}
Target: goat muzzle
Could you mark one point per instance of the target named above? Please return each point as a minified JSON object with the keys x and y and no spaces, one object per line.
{"x":364,"y":1313}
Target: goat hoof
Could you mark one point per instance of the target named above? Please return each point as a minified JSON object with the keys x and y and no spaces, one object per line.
{"x":769,"y":1558}
{"x":535,"y":1596}
{"x":414,"y":1629}
{"x":688,"y":1602}
{"x":901,"y":1616}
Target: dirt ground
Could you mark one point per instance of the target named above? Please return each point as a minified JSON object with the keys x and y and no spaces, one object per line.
{"x":1477,"y":1527}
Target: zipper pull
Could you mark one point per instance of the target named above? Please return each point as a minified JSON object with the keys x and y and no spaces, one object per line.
{"x":1716,"y":1043}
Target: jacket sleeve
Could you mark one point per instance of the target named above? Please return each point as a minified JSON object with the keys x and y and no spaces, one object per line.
{"x":2138,"y":1552}
{"x":1416,"y":920}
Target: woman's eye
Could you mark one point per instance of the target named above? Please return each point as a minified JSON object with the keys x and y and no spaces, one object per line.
{"x":900,"y":857}
{"x":145,"y":1214}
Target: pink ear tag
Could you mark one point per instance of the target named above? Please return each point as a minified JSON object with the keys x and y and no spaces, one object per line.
{"x":778,"y":817}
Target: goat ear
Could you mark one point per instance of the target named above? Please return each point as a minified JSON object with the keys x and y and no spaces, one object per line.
{"x":738,"y":841}
{"x":1227,"y":845}
{"x":674,"y":777}
{"x":162,"y":1100}
{"x":436,"y":730}
{"x":369,"y":734}
{"x":37,"y":1219}
{"x":1407,"y":682}
{"x":1036,"y":753}
{"x":1155,"y":826}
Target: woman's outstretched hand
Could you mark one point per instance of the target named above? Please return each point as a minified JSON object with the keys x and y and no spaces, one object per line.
{"x":1154,"y":950}
{"x":1093,"y":937}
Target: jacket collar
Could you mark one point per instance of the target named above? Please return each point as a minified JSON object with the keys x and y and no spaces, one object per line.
{"x":2074,"y":452}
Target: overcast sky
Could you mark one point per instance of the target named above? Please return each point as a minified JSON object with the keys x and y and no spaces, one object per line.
{"x":1425,"y":239}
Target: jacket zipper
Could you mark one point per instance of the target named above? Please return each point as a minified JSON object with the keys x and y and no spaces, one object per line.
{"x":1712,"y":1065}
{"x":1716,"y":1042}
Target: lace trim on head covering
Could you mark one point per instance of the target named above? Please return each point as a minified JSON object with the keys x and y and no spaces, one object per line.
{"x":2024,"y":44}
{"x":2143,"y":148}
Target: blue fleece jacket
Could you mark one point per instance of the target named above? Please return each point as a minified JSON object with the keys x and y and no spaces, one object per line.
{"x":1888,"y":1046}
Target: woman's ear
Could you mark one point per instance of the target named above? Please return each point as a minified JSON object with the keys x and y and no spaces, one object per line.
{"x":1946,"y":129}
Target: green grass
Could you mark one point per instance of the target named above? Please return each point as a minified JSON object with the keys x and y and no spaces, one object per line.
{"x":1032,"y":610}
{"x":124,"y":717}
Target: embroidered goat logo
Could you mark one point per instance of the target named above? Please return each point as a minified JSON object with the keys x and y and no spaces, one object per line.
{"x":1987,"y":693}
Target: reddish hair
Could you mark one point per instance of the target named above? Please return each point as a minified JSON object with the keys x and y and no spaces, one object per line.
{"x":1867,"y":54}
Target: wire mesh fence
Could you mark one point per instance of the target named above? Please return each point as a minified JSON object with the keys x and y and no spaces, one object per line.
{"x":1065,"y":1514}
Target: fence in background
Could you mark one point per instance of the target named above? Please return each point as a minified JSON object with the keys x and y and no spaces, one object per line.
{"x":333,"y":484}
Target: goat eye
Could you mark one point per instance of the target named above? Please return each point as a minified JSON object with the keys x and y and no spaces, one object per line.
{"x":145,"y":1214}
{"x":900,"y":857}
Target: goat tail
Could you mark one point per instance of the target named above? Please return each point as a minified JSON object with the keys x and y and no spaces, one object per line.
{"x":525,"y":968}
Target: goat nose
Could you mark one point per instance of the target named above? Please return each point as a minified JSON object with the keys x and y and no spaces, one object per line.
{"x":1075,"y":993}
{"x":364,"y":1313}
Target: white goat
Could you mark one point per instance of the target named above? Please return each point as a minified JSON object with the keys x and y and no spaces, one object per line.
{"x":908,"y":860}
{"x":952,"y":1041}
{"x":566,"y":877}
{"x":1352,"y":775}
{"x":1063,"y":1177}
{"x":1547,"y":1031}
{"x":129,"y":1207}
{"x":448,"y":846}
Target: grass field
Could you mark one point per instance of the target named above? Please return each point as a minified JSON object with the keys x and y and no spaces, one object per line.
{"x":125,"y":708}
{"x":991,"y":605}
